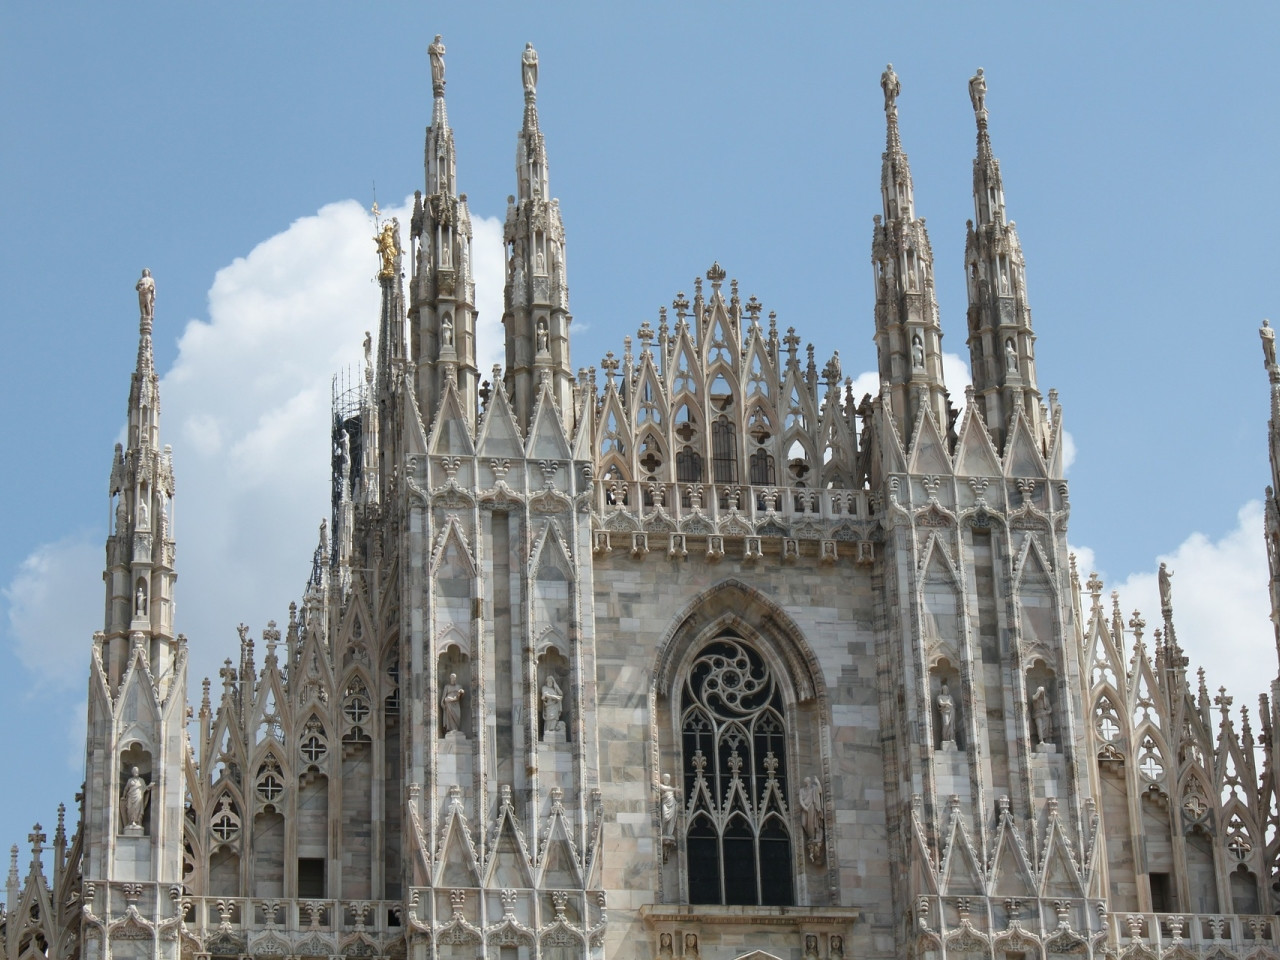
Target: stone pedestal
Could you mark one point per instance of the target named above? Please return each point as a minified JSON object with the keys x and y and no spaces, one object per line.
{"x":951,"y":769}
{"x":454,"y":759}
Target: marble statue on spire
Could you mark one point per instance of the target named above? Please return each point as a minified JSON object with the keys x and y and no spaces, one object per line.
{"x":146,"y":294}
{"x":978,"y":92}
{"x":435,"y":50}
{"x":892,"y":87}
{"x":529,"y":69}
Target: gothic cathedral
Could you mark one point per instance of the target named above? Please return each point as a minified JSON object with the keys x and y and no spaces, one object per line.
{"x":699,"y":657}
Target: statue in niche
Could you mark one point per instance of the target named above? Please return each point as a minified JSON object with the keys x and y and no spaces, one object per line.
{"x":136,"y":792}
{"x":978,"y":92}
{"x":435,"y":50}
{"x":1010,"y":356}
{"x":810,"y":946}
{"x":451,"y":705}
{"x":667,"y":806}
{"x":140,"y":602}
{"x":917,"y":352}
{"x":552,"y":699}
{"x":946,"y":715}
{"x":540,"y":264}
{"x":837,"y":947}
{"x":812,"y":817}
{"x":1166,"y":588}
{"x":664,"y":945}
{"x":446,"y":253}
{"x":542,"y":336}
{"x":446,"y":330}
{"x":1268,"y":334}
{"x":144,"y":519}
{"x":1042,"y":715}
{"x":690,"y":944}
{"x":146,"y":294}
{"x":529,"y":68}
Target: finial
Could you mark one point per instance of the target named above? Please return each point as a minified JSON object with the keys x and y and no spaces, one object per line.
{"x":716,"y":275}
{"x":435,"y":51}
{"x":529,"y":71}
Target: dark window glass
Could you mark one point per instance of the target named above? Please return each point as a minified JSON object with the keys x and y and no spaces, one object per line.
{"x":688,"y":466}
{"x":739,"y":863}
{"x":704,"y":862}
{"x":724,"y":451}
{"x":311,"y":879}
{"x":762,"y":470}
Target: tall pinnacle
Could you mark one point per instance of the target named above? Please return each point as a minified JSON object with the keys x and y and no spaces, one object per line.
{"x":908,"y":332}
{"x":536,"y":297}
{"x":139,"y":575}
{"x":1000,"y":336}
{"x":442,"y":303}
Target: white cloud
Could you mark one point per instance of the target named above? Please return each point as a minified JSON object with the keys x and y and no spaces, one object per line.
{"x":246,"y":408}
{"x":55,"y":603}
{"x":1221,"y":610}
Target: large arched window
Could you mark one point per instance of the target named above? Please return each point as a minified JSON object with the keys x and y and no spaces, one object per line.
{"x":737,"y":842}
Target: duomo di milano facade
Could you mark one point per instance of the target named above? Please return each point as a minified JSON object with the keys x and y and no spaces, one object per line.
{"x":700,"y":656}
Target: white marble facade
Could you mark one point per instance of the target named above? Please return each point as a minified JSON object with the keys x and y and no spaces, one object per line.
{"x":698,"y":656}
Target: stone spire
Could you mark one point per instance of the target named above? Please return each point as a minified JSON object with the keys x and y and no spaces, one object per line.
{"x":536,"y":297}
{"x":1267,"y":333}
{"x":1001,"y":342}
{"x":908,"y":334}
{"x":134,"y":785}
{"x":442,"y":309}
{"x":140,"y":549}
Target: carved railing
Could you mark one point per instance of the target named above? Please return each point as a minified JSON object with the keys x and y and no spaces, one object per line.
{"x":715,"y":501}
{"x":1199,"y":933}
{"x":209,"y":916}
{"x":1079,"y":927}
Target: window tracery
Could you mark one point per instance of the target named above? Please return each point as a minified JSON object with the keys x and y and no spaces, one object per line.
{"x":737,"y":840}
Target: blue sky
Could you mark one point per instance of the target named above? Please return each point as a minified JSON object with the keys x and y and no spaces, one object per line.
{"x":216,"y":143}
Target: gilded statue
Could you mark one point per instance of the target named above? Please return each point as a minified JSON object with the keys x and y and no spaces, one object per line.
{"x":388,"y":242}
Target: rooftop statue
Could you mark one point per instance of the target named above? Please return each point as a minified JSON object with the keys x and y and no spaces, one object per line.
{"x":388,"y":247}
{"x":978,"y":92}
{"x":529,"y":69}
{"x":435,"y":50}
{"x":146,"y":294}
{"x":892,"y":87}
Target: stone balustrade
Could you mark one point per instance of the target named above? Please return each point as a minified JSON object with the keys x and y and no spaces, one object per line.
{"x":718,"y":501}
